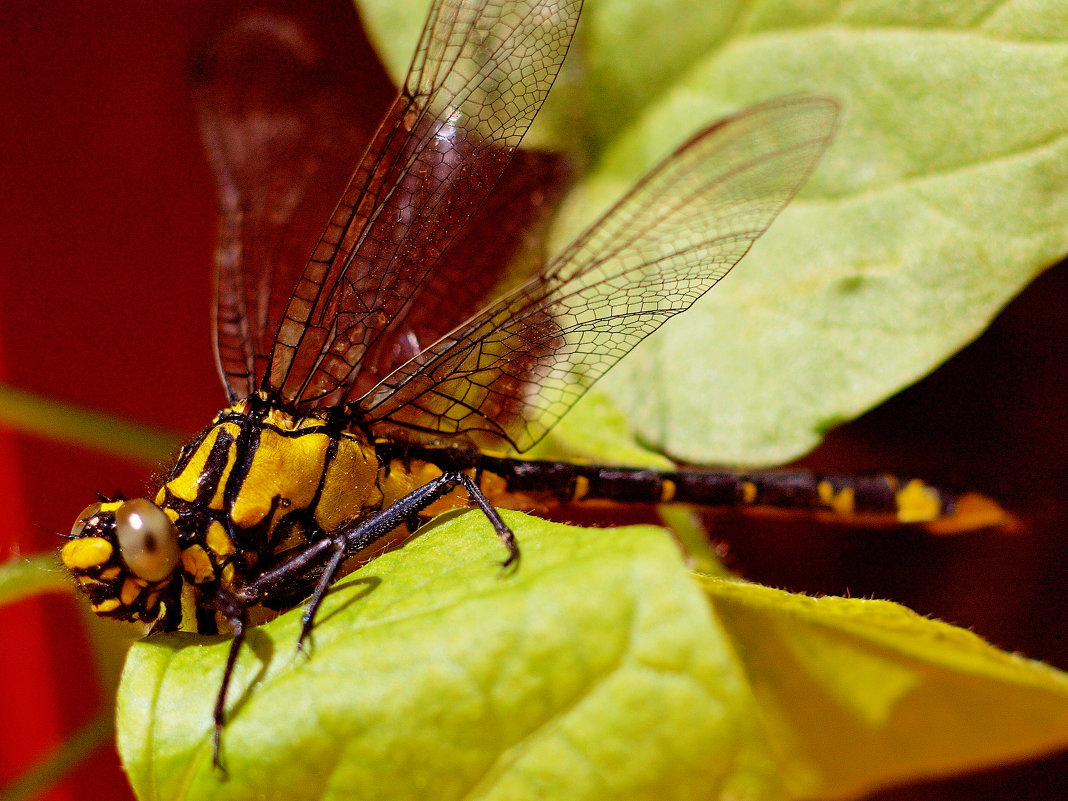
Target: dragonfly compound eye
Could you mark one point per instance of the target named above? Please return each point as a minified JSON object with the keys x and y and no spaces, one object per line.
{"x":147,"y":539}
{"x":124,"y":555}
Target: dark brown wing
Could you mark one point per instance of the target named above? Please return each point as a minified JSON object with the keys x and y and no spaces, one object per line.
{"x":279,"y":112}
{"x":480,"y":74}
{"x":507,"y":375}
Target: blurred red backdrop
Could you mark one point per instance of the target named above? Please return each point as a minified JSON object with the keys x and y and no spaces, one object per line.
{"x":105,"y":254}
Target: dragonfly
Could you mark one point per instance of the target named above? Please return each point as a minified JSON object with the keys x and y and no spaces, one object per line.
{"x":364,"y":395}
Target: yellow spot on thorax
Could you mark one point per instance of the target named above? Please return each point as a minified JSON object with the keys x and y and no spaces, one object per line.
{"x":196,"y":565}
{"x":283,"y":468}
{"x":350,"y":484}
{"x":187,"y":484}
{"x":218,"y":540}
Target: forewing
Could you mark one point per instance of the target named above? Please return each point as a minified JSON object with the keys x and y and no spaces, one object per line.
{"x":481,"y":72}
{"x":507,"y":375}
{"x":280,"y":118}
{"x":501,"y":245}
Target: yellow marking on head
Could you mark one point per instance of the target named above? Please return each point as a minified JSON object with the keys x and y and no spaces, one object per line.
{"x":171,"y":514}
{"x":351,"y":478}
{"x":129,"y":592}
{"x":228,"y":575}
{"x":667,"y":491}
{"x":749,"y":492}
{"x":152,"y":600}
{"x":582,"y":488}
{"x":197,"y":565}
{"x":85,"y":581}
{"x":86,"y":553}
{"x":111,"y":506}
{"x":282,"y":467}
{"x":107,"y":605}
{"x":112,"y":572}
{"x":218,"y":540}
{"x":161,"y":496}
{"x":918,"y":503}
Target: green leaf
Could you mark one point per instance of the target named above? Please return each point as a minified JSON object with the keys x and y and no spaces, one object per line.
{"x":594,"y":671}
{"x":599,"y":669}
{"x":857,"y":694}
{"x":944,"y":194}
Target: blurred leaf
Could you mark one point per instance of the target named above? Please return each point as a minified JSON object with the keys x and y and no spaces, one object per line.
{"x":25,"y":577}
{"x":67,"y":756}
{"x":73,"y":425}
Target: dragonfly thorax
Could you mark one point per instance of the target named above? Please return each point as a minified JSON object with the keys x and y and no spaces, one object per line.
{"x":252,"y":488}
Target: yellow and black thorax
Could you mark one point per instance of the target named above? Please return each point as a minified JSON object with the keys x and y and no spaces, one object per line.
{"x":259,"y":482}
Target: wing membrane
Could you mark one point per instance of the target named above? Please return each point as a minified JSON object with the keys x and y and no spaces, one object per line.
{"x":508,"y":374}
{"x":480,"y":74}
{"x":279,"y":116}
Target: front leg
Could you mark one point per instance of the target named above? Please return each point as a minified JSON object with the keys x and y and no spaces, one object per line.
{"x":235,"y":610}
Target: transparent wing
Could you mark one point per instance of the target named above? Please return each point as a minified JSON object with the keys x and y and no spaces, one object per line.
{"x":507,"y":375}
{"x":279,"y":111}
{"x":481,"y":72}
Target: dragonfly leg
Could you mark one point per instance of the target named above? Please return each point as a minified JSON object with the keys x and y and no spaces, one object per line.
{"x":235,"y":610}
{"x":345,"y":543}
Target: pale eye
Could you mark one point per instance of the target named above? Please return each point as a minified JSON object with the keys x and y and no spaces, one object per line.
{"x":148,"y":541}
{"x":86,"y":518}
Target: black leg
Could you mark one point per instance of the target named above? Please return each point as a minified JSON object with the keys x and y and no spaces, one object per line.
{"x":345,"y":543}
{"x":236,"y":611}
{"x":325,"y":580}
{"x":340,"y":544}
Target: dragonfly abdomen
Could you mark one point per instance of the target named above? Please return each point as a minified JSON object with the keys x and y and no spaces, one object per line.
{"x":506,"y":480}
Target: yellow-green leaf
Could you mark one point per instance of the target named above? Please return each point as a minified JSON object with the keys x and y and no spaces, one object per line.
{"x":594,"y":671}
{"x":856,"y":694}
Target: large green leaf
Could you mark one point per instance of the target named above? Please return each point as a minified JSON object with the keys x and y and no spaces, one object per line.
{"x":597,"y":670}
{"x":594,"y":671}
{"x":944,"y":194}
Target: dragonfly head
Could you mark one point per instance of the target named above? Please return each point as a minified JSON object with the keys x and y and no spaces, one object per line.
{"x":124,"y":555}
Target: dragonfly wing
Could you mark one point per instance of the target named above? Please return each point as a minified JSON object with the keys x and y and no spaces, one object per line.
{"x":279,"y":118}
{"x":501,"y":245}
{"x":507,"y":375}
{"x":480,"y":73}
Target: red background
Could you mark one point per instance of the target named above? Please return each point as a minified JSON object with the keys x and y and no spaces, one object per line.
{"x":105,"y":249}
